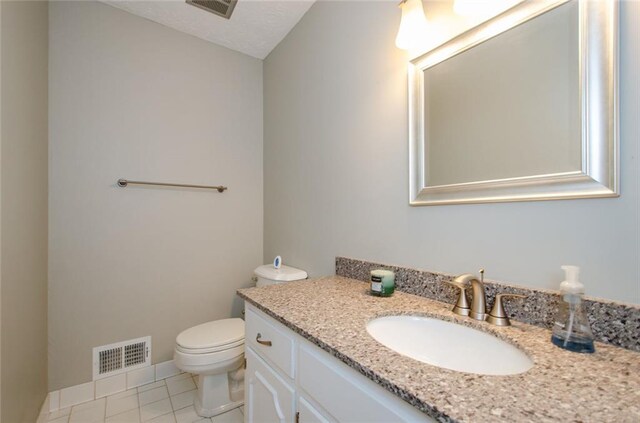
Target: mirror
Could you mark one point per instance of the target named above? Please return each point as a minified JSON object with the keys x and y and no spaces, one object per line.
{"x":520,"y":108}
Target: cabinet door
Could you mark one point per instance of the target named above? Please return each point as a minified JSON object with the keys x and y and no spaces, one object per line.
{"x":309,"y":414}
{"x":347,"y":395}
{"x":268,"y":398}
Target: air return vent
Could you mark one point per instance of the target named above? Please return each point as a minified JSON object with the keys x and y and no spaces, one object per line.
{"x":109,"y":360}
{"x":222,"y":8}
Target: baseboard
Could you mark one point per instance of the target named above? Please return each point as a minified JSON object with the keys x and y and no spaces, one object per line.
{"x":77,"y":394}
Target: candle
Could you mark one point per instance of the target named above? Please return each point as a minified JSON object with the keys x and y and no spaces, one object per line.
{"x":382,"y":282}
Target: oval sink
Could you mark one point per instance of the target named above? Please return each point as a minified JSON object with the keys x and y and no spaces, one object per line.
{"x":449,"y":345}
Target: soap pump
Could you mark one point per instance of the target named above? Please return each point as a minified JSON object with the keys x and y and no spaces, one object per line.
{"x":571,"y":329}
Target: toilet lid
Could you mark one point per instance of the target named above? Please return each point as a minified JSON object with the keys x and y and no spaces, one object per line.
{"x":210,"y":336}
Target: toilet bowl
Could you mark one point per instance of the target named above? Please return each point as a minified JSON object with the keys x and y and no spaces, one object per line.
{"x":215,"y":352}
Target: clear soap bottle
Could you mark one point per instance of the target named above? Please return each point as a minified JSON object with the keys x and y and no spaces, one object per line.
{"x":571,"y":329}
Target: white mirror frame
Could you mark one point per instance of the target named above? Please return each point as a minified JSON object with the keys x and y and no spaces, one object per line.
{"x":598,"y":76}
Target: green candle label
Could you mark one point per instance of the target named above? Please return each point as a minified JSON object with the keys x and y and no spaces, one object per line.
{"x":376,"y":284}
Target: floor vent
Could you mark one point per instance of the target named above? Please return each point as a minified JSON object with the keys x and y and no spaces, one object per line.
{"x":112,"y":359}
{"x":222,"y":8}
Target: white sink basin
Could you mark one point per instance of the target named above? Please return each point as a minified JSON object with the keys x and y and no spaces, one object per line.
{"x":449,"y":345}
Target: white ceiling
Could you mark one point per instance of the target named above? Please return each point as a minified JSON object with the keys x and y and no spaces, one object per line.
{"x":255,"y":28}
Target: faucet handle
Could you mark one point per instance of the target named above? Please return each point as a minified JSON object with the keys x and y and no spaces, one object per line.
{"x":462,"y":305}
{"x":497,"y":316}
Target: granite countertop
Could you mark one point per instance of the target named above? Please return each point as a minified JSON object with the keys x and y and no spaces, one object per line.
{"x":562,"y":386}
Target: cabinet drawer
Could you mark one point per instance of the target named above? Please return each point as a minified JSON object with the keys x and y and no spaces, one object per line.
{"x":270,"y":340}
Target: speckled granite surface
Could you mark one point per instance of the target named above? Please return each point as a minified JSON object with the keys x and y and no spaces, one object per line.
{"x":332,"y":312}
{"x":612,"y":322}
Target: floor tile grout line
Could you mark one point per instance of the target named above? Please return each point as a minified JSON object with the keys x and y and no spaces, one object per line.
{"x":166,"y":389}
{"x":145,"y":421}
{"x":123,"y":412}
{"x":153,"y":402}
{"x":187,"y":406}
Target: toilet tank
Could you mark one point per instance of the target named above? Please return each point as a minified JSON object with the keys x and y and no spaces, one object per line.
{"x":269,"y":275}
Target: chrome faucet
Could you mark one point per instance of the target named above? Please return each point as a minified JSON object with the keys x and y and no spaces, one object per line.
{"x":478,"y":308}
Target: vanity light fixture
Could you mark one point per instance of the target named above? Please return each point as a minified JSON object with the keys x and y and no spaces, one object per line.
{"x":467,"y":7}
{"x":413,"y":25}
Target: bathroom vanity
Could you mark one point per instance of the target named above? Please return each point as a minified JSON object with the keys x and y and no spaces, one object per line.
{"x":310,"y":358}
{"x":290,"y":379}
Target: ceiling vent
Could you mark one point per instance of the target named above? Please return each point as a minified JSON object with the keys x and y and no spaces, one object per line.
{"x":222,"y":8}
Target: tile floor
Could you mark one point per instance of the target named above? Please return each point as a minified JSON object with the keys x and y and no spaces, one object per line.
{"x":166,"y":401}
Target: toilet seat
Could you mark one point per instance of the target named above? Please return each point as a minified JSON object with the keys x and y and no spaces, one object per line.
{"x":211,"y":347}
{"x":212,"y":337}
{"x":207,"y":362}
{"x":220,"y":348}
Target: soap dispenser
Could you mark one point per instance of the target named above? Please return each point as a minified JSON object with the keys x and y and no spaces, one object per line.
{"x":571,"y":329}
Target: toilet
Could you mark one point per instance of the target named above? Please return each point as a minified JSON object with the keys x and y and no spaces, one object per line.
{"x":215,"y":352}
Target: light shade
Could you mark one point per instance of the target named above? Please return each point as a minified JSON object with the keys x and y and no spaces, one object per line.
{"x":482,"y":8}
{"x":413,"y":25}
{"x":469,"y":7}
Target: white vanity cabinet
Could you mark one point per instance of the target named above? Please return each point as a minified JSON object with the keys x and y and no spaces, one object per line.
{"x":288,"y":379}
{"x":268,"y":397}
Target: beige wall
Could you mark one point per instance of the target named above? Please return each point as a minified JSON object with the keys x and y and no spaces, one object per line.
{"x":133,"y":99}
{"x":23,"y":222}
{"x":336,"y":169}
